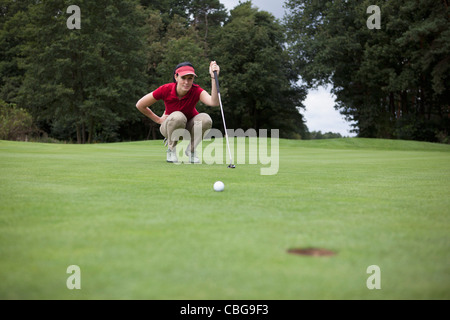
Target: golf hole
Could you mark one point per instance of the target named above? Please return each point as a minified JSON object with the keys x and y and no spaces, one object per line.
{"x":314,"y":252}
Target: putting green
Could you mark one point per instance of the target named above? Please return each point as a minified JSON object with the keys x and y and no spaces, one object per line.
{"x":140,"y":228}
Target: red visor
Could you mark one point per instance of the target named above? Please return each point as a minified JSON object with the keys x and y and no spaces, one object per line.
{"x":185,"y":70}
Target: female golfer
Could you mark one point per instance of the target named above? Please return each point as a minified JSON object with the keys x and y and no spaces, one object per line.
{"x":180,"y":99}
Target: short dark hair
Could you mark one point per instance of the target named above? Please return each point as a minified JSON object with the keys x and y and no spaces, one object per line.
{"x":183,"y":64}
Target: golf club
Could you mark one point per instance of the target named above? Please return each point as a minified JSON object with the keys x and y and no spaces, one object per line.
{"x":231,"y":166}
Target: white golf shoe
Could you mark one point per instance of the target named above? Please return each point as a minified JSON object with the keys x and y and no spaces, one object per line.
{"x":192,"y":156}
{"x":172,"y":156}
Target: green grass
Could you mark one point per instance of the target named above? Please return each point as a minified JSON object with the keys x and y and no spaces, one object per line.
{"x":140,"y":228}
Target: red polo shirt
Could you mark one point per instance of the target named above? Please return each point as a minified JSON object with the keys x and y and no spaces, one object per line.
{"x":168,"y":93}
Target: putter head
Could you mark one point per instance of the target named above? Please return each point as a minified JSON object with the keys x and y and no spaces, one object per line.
{"x":232,"y":166}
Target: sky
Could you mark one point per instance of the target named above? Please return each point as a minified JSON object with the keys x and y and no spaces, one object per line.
{"x":320,"y":114}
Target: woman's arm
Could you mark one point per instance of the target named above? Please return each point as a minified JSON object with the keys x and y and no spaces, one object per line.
{"x":213,"y":99}
{"x":144,"y":104}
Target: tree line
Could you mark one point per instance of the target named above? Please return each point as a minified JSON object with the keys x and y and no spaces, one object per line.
{"x":81,"y":85}
{"x":393,"y":81}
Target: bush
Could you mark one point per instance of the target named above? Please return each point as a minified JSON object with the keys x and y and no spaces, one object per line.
{"x":316,"y":135}
{"x":15,"y":123}
{"x":443,"y":137}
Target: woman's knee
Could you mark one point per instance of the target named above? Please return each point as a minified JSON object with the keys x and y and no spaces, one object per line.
{"x":205,"y":119}
{"x":176,"y":120}
{"x":177,"y":117}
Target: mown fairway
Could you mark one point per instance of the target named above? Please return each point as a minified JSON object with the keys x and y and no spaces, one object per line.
{"x":140,"y":228}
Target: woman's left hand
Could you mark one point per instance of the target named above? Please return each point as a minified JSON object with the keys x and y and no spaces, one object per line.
{"x":213,"y":66}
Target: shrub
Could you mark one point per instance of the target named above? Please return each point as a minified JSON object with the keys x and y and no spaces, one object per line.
{"x":15,"y":123}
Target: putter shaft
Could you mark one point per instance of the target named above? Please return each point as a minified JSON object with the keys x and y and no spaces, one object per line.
{"x":223,"y":119}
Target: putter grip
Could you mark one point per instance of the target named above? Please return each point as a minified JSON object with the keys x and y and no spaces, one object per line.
{"x":217,"y":81}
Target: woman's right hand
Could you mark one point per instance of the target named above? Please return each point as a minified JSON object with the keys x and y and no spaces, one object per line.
{"x":163,"y":118}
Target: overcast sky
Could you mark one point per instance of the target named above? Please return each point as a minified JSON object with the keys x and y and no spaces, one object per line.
{"x":320,"y":114}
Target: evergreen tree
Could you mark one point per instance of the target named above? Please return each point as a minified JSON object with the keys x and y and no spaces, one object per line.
{"x":12,"y":17}
{"x":82,"y":82}
{"x":391,"y":80}
{"x":168,"y":9}
{"x":207,"y":16}
{"x":258,"y":83}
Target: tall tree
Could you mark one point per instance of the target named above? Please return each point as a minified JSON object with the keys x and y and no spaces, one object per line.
{"x":81,"y":81}
{"x":169,"y":8}
{"x":391,"y":80}
{"x":12,"y":37}
{"x":259,"y":86}
{"x":207,"y":15}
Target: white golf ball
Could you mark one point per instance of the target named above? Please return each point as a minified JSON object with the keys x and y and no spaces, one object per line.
{"x":219,"y":186}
